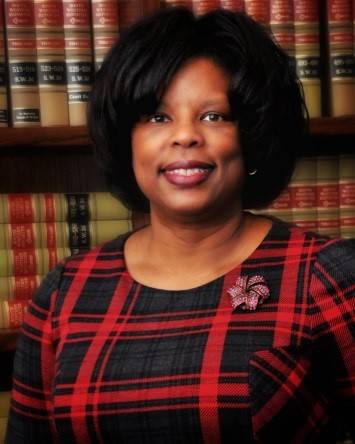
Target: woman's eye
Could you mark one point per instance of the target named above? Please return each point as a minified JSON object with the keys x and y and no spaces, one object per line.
{"x":214,"y":117}
{"x":157,"y":118}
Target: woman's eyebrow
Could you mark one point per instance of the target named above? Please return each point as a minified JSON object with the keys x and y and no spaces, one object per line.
{"x":209,"y":102}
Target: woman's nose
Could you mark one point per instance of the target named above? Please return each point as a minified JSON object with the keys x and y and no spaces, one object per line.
{"x":186,"y":135}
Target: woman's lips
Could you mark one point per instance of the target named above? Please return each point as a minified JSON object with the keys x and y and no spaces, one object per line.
{"x":187,"y":177}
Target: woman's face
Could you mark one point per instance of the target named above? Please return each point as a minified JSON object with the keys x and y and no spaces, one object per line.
{"x":187,"y":157}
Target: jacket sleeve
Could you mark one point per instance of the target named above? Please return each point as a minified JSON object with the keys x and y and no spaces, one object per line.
{"x":332,"y":296}
{"x":30,"y":417}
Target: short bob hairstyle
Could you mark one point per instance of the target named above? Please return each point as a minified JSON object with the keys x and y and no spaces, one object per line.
{"x":265,"y":96}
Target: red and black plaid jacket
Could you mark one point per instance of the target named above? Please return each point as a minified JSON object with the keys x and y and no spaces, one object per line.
{"x":104,"y":359}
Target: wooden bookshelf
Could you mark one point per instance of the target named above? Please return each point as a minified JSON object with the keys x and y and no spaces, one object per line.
{"x":69,"y":137}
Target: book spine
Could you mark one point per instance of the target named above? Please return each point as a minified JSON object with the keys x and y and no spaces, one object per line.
{"x":303,"y":193}
{"x":51,"y":62}
{"x":185,"y":3}
{"x":341,"y":57}
{"x":129,"y":12}
{"x":328,"y":195}
{"x":259,"y":10}
{"x":233,"y":5}
{"x":12,"y":313}
{"x":79,"y":58}
{"x":19,"y":287}
{"x":307,"y":47}
{"x":105,"y":28}
{"x":22,"y":63}
{"x":281,"y":207}
{"x":283,"y":26}
{"x":29,"y":262}
{"x":201,"y":7}
{"x":4,"y":116}
{"x":347,"y":195}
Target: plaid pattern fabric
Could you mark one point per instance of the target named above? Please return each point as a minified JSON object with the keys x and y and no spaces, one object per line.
{"x":103,"y":359}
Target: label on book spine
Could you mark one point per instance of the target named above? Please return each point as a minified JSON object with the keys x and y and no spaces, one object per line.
{"x":19,"y":13}
{"x":308,"y":67}
{"x":52,"y":73}
{"x":16,"y":313}
{"x":26,"y":115}
{"x":79,"y":235}
{"x":78,"y":207}
{"x":24,"y":286}
{"x":20,"y":208}
{"x":342,"y":66}
{"x":23,"y":74}
{"x":80,"y":73}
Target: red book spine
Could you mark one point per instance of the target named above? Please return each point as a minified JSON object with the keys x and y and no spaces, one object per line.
{"x":233,"y":5}
{"x":282,"y":26}
{"x":201,"y":7}
{"x":105,"y":27}
{"x":259,"y":10}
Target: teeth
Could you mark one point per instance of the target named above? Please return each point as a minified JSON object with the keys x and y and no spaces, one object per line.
{"x":187,"y":172}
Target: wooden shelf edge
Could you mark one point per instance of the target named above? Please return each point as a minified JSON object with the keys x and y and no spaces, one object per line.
{"x":78,"y":136}
{"x":327,"y":126}
{"x":59,"y":136}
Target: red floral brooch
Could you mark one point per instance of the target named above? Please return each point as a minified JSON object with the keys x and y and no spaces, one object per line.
{"x":248,"y":292}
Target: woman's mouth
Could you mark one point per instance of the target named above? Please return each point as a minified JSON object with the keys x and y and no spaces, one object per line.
{"x":187,"y":176}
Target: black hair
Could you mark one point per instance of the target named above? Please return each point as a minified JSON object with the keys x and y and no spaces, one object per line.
{"x":266,"y":96}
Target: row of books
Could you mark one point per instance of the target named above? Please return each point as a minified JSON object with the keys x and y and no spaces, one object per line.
{"x":50,"y":50}
{"x":320,"y":196}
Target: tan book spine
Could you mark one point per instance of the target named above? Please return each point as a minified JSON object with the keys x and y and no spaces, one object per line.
{"x":341,"y":57}
{"x":4,"y":115}
{"x":19,"y":287}
{"x":25,"y":262}
{"x":22,"y":63}
{"x":233,"y":5}
{"x":347,"y":195}
{"x":282,"y":25}
{"x":4,"y":413}
{"x":307,"y":47}
{"x":184,"y":3}
{"x":259,"y":10}
{"x":12,"y":313}
{"x":51,"y":62}
{"x":201,"y":7}
{"x":105,"y":27}
{"x":303,"y":193}
{"x":79,"y":58}
{"x":281,"y":207}
{"x":328,"y":195}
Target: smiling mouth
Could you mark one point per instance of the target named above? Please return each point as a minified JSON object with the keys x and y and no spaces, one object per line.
{"x":187,"y":177}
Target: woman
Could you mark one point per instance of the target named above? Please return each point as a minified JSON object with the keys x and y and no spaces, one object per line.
{"x":210,"y":324}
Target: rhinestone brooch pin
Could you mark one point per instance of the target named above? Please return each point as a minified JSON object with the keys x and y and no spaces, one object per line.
{"x":248,"y":292}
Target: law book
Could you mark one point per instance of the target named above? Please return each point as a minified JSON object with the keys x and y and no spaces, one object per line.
{"x":20,"y":208}
{"x":303,"y":193}
{"x":4,"y":117}
{"x":327,"y":194}
{"x":184,"y":3}
{"x":281,"y":207}
{"x":347,"y":195}
{"x":29,"y":262}
{"x":79,"y":58}
{"x":307,"y":52}
{"x":259,"y":10}
{"x":19,"y":287}
{"x":105,"y":28}
{"x":201,"y":7}
{"x":51,"y":62}
{"x":12,"y":313}
{"x":283,"y":26}
{"x":22,"y":63}
{"x":233,"y":5}
{"x":75,"y":235}
{"x":341,"y":57}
